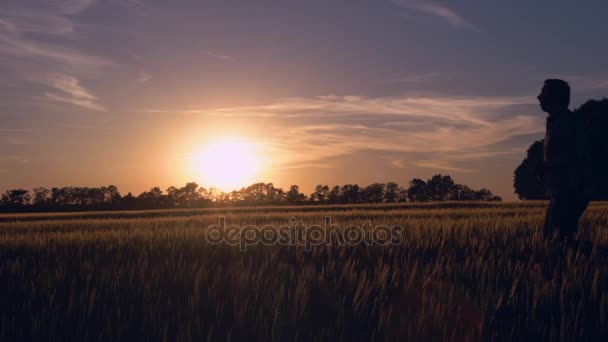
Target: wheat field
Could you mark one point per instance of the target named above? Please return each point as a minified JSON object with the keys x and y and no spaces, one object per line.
{"x":461,"y":272}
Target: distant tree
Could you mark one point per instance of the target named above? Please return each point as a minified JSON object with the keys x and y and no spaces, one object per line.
{"x":111,"y":195}
{"x":59,"y":197}
{"x":438,"y":187}
{"x":461,"y":193}
{"x":94,"y":197}
{"x":373,"y":193}
{"x":391,"y":192}
{"x":260,"y":193}
{"x":485,"y":195}
{"x":417,"y":191}
{"x":275,"y":195}
{"x":320,"y":195}
{"x":188,"y":194}
{"x":350,"y":193}
{"x":193,"y":196}
{"x":42,"y":196}
{"x":128,"y":202}
{"x":173,"y":194}
{"x":154,"y":199}
{"x":294,"y":196}
{"x":15,"y":199}
{"x":334,"y":195}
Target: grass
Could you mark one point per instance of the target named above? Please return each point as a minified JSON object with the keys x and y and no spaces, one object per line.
{"x":464,"y":271}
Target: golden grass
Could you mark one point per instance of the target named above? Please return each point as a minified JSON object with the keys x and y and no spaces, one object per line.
{"x":465,"y":271}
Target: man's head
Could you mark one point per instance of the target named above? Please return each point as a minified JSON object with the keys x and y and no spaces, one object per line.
{"x":555,"y":96}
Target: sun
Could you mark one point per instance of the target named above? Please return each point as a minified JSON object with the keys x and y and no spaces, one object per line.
{"x":228,"y":163}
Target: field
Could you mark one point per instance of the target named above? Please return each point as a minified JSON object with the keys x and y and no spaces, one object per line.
{"x":461,"y":271}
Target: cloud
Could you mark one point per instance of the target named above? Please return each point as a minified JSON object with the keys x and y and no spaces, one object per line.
{"x":15,"y":141}
{"x":70,"y":6}
{"x":446,"y":129}
{"x":143,"y":76}
{"x":419,"y":78}
{"x":452,"y":161}
{"x":136,"y":6}
{"x":303,"y":166}
{"x":14,"y":159}
{"x":42,"y":38}
{"x":442,"y":165}
{"x":436,"y":10}
{"x":221,"y":56}
{"x":398,"y":163}
{"x":70,"y":91}
{"x":15,"y":130}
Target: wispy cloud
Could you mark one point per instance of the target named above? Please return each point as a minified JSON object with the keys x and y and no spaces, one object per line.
{"x":15,"y":130}
{"x":442,"y":165}
{"x":221,"y":56}
{"x":437,"y":10}
{"x":136,"y":6}
{"x":15,"y":141}
{"x":71,"y":91}
{"x":41,"y":38}
{"x":419,"y":78}
{"x":455,"y":161}
{"x":447,"y":129}
{"x":303,"y":166}
{"x":398,"y":163}
{"x":14,"y":159}
{"x":143,"y":76}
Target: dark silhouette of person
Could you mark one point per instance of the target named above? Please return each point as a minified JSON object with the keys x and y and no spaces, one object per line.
{"x":565,"y":163}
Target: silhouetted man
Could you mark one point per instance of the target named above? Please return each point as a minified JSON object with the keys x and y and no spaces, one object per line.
{"x":566,"y":162}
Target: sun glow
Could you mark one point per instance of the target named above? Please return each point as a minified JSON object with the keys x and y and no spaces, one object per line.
{"x":228,"y":163}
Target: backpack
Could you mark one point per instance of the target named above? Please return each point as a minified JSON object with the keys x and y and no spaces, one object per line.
{"x":591,"y":132}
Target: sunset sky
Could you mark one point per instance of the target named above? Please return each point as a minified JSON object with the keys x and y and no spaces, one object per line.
{"x":134,"y":92}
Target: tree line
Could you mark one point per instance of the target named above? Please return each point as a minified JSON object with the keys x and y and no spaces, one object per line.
{"x":438,"y":188}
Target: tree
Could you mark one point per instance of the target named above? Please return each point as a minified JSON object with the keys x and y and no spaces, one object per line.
{"x":461,"y":193}
{"x":417,"y":191}
{"x":173,"y":194}
{"x":111,"y":195}
{"x":485,"y":195}
{"x":391,"y":192}
{"x":294,"y":196}
{"x":320,"y":195}
{"x":42,"y":196}
{"x":193,"y":196}
{"x":373,"y":193}
{"x":350,"y":193}
{"x":334,"y":195}
{"x":128,"y":202}
{"x":438,"y":187}
{"x":527,"y":180}
{"x":188,"y":194}
{"x":15,"y":199}
{"x":154,"y":199}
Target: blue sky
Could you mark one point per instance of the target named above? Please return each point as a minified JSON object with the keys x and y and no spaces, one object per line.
{"x":125,"y":91}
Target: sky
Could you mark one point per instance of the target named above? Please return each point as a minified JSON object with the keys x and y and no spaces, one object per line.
{"x":129,"y":92}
